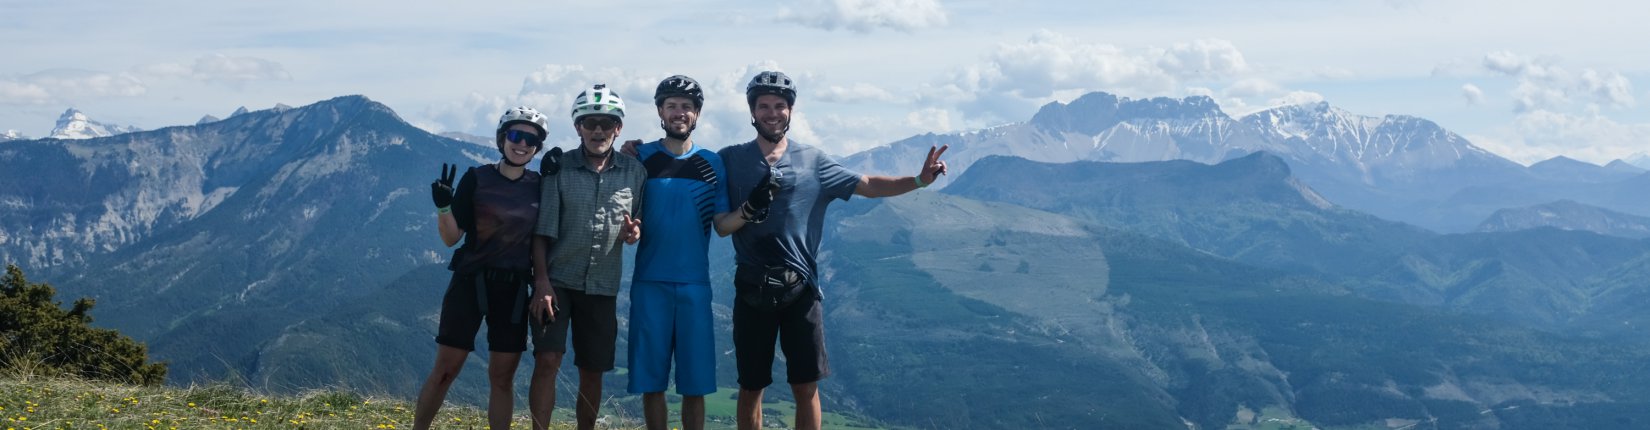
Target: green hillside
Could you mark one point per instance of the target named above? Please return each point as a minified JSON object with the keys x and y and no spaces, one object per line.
{"x":1102,"y":326}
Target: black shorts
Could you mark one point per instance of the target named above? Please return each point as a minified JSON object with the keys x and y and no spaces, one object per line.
{"x":800,"y":330}
{"x":595,"y":323}
{"x":461,"y":315}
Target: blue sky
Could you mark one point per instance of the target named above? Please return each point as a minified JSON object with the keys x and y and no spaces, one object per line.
{"x":1527,"y":80}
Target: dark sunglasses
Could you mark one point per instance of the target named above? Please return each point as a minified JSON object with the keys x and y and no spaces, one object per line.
{"x":526,"y":137}
{"x":594,"y":124}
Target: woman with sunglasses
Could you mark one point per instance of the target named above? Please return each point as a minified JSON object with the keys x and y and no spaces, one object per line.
{"x":494,"y":209}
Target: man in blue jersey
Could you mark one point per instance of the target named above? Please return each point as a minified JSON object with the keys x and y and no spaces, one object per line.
{"x":776,"y":281}
{"x":670,"y":292}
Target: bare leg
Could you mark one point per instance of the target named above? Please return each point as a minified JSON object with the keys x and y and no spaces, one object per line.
{"x":693,"y":412}
{"x":807,"y":405}
{"x":590,"y":398}
{"x":448,"y":362}
{"x":750,"y":409}
{"x":541,"y":391}
{"x":501,"y":401}
{"x":655,"y":412}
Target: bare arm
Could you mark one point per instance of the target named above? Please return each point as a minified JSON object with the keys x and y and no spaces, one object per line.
{"x":450,"y":233}
{"x":543,"y":302}
{"x":885,"y":186}
{"x":729,"y":222}
{"x":888,"y":186}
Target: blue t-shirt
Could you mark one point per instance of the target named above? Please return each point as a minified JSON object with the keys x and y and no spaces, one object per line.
{"x":808,"y":181}
{"x":684,"y":194}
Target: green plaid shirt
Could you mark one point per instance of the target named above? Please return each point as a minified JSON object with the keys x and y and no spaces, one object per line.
{"x":581,"y":211}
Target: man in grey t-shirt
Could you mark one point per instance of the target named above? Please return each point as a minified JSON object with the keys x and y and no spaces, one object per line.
{"x":776,"y":285}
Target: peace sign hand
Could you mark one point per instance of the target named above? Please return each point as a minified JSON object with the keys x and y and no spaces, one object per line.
{"x":441,"y":191}
{"x":932,"y":167}
{"x":631,"y":230}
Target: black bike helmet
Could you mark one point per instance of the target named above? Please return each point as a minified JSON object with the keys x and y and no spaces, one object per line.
{"x":679,"y":86}
{"x":771,"y":82}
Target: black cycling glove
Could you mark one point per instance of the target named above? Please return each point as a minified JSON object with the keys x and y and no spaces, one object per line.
{"x":761,"y":198}
{"x":441,"y":191}
{"x":551,"y":163}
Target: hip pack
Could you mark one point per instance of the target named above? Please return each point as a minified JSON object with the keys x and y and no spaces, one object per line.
{"x":769,"y":288}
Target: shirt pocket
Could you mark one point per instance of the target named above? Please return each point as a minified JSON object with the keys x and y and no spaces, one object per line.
{"x":620,"y":203}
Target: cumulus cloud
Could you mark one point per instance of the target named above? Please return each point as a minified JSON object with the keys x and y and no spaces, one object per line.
{"x":68,"y":86}
{"x":1544,"y":85}
{"x":23,"y":93}
{"x":552,"y":88}
{"x":1253,"y":88}
{"x":864,"y":16}
{"x":1049,"y":65}
{"x":857,"y":93}
{"x":219,"y":68}
{"x":1542,"y":134}
{"x":1472,"y":93}
{"x":1207,"y":58}
{"x":1296,"y":98}
{"x":724,"y":120}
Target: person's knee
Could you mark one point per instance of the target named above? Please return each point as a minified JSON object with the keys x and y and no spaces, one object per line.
{"x":805,"y":390}
{"x":501,"y":376}
{"x":547,"y":362}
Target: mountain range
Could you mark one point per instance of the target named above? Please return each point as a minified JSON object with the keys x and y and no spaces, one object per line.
{"x":1397,"y":167}
{"x":291,"y":248}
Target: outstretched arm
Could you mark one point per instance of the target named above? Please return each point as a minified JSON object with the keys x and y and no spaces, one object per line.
{"x":888,"y":186}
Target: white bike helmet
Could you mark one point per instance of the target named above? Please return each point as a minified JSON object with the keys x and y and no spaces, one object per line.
{"x":523,"y":115}
{"x":598,"y":100}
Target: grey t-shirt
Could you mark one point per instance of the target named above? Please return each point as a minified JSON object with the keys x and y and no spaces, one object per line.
{"x":808,"y":181}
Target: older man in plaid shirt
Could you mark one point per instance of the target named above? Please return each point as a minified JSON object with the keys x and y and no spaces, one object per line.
{"x":585,"y":209}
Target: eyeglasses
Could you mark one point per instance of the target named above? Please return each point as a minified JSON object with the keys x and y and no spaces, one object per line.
{"x":525,"y":137}
{"x":598,"y":124}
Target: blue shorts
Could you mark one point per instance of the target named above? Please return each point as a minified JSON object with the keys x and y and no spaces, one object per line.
{"x":666,"y":319}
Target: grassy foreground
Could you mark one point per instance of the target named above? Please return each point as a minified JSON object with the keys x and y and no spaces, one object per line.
{"x":37,"y":403}
{"x":51,"y":403}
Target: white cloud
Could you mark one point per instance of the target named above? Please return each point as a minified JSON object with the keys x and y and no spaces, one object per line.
{"x":23,"y":93}
{"x":1206,"y":58}
{"x":219,"y":68}
{"x":551,"y":89}
{"x":1543,"y":85}
{"x":1472,"y":93}
{"x":1296,"y":98}
{"x":930,"y":120}
{"x":1333,"y":73}
{"x":864,"y":16}
{"x":1253,"y":88}
{"x":1542,"y":134}
{"x":68,"y":86}
{"x":858,"y":93}
{"x":1016,"y":77}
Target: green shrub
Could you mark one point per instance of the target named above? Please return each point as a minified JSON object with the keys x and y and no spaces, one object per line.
{"x":38,"y":336}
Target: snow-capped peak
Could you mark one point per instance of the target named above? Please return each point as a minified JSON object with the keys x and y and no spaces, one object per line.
{"x":74,"y":124}
{"x":12,"y":135}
